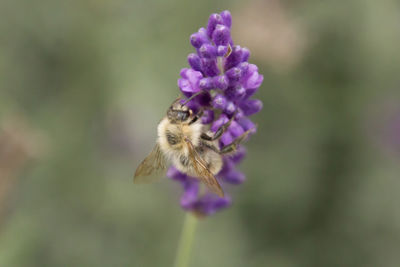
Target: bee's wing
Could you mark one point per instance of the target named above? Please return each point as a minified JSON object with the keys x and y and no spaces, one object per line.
{"x":155,"y":161}
{"x":200,"y":167}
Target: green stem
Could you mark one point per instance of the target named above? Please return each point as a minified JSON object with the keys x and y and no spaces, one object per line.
{"x":186,"y":241}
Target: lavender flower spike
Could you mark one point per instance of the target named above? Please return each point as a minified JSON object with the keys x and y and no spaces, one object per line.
{"x":220,"y":70}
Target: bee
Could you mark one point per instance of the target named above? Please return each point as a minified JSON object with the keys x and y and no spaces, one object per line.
{"x":186,"y":143}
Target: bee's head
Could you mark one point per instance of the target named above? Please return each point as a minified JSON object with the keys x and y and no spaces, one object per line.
{"x":178,"y":112}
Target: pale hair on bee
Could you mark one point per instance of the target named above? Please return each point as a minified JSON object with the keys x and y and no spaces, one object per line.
{"x":188,"y":144}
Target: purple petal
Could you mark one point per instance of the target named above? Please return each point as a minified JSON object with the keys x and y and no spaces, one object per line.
{"x":207,"y":83}
{"x":234,"y":74}
{"x":235,"y":129}
{"x":250,"y":92}
{"x":251,"y":106}
{"x":226,"y":167}
{"x":219,"y":122}
{"x":193,"y":76}
{"x":209,"y":66}
{"x":239,"y":114}
{"x":236,"y":92}
{"x":226,"y":139}
{"x":212,"y":23}
{"x":246,"y":123}
{"x":222,"y":202}
{"x":189,"y":83}
{"x":208,"y":51}
{"x":204,"y":99}
{"x":183,"y":73}
{"x":174,"y":174}
{"x":252,"y":84}
{"x":208,"y":116}
{"x":194,"y":61}
{"x":226,"y":18}
{"x":244,"y":66}
{"x":246,"y":54}
{"x":222,"y":50}
{"x":219,"y":102}
{"x":234,"y":177}
{"x":199,"y":38}
{"x":184,"y":85}
{"x":252,"y":79}
{"x":234,"y":58}
{"x":193,"y":105}
{"x":239,"y":155}
{"x":230,"y":108}
{"x":221,"y":35}
{"x":189,"y":197}
{"x":221,"y":82}
{"x":210,"y":204}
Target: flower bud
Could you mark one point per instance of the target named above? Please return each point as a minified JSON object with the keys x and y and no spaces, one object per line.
{"x":246,"y":54}
{"x":252,"y":79}
{"x":212,"y":23}
{"x":234,"y":74}
{"x":222,"y":50}
{"x":189,"y":196}
{"x":194,"y":61}
{"x":239,"y":155}
{"x":221,"y":82}
{"x":209,"y":66}
{"x":226,"y":18}
{"x":221,"y":35}
{"x":226,"y":139}
{"x":219,"y":122}
{"x":206,"y":83}
{"x":230,"y":108}
{"x":246,"y":123}
{"x":199,"y":38}
{"x":234,"y":58}
{"x":219,"y":102}
{"x":207,"y":117}
{"x":235,"y":129}
{"x":207,"y":51}
{"x":235,"y":177}
{"x":251,"y":106}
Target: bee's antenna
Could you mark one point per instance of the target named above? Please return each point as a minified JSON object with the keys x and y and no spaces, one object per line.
{"x":190,"y":98}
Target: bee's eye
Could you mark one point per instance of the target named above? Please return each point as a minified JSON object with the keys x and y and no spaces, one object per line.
{"x":183,"y":115}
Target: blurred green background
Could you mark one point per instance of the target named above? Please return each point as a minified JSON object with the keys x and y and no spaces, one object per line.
{"x":84,"y":83}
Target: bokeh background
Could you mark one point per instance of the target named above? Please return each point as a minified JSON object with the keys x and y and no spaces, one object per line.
{"x":83,"y":84}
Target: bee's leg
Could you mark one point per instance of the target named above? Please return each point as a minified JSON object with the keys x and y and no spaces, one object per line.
{"x":198,"y":116}
{"x":205,"y":136}
{"x":200,"y":113}
{"x":232,"y":147}
{"x":210,"y":146}
{"x":219,"y":132}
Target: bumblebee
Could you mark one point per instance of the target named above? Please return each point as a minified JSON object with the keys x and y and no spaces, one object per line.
{"x":186,"y":143}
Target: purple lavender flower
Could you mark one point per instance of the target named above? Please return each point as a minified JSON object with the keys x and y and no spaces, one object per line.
{"x":220,"y":70}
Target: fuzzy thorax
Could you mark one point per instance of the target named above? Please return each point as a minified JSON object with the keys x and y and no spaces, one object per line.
{"x":171,"y":138}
